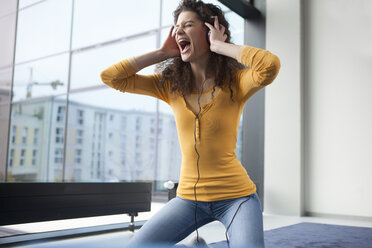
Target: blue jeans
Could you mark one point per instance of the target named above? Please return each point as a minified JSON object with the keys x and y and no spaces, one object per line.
{"x":176,"y":220}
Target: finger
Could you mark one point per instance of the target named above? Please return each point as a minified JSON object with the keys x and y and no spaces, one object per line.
{"x":216,"y":25}
{"x":171,"y":31}
{"x":222,"y":28}
{"x":209,"y":26}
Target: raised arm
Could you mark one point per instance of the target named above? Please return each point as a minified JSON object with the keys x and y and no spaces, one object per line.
{"x":123,"y":75}
{"x":168,"y":50}
{"x":263,"y":65}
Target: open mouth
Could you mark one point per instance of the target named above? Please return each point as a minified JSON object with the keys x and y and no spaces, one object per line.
{"x":185,"y":45}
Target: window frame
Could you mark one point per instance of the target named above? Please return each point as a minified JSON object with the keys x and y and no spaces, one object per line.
{"x":64,"y":117}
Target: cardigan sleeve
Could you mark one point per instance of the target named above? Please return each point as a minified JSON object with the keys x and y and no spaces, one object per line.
{"x":263,"y":69}
{"x":123,"y":76}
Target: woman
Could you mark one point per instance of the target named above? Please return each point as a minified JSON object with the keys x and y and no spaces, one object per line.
{"x":206,"y":85}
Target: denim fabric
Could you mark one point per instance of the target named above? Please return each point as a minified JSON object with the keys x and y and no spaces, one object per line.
{"x":176,"y":220}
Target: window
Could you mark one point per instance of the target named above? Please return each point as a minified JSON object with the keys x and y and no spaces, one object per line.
{"x":80,"y":117}
{"x":11,"y":157}
{"x":14,"y":130}
{"x":120,"y":12}
{"x":79,"y":136}
{"x":44,"y":70}
{"x":78,"y":156}
{"x":31,"y":21}
{"x":138,"y":123}
{"x":22,"y":158}
{"x":36,"y":136}
{"x":59,"y":135}
{"x":34,"y":154}
{"x":98,"y":106}
{"x":24,"y":136}
{"x":61,"y":114}
{"x":29,"y":76}
{"x":58,"y":156}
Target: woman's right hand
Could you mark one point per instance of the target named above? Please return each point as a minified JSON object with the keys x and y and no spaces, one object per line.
{"x":170,"y":47}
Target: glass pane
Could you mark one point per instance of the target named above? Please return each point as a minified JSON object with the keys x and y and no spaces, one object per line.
{"x":169,"y":166}
{"x":5,"y":89}
{"x":167,"y":12}
{"x":57,"y":140}
{"x":8,"y":10}
{"x":109,"y":137}
{"x":239,"y":142}
{"x":41,"y":78}
{"x":164,"y":34}
{"x":87,"y":66}
{"x":33,"y":140}
{"x":169,"y":6}
{"x":96,"y":21}
{"x":43,"y":19}
{"x":237,"y":37}
{"x":236,"y":27}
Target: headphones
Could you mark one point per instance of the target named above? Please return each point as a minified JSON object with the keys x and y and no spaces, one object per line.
{"x":200,"y":241}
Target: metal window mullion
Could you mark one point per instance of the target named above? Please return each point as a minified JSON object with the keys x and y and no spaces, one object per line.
{"x":68,"y":90}
{"x":11,"y":93}
{"x":158,"y":39}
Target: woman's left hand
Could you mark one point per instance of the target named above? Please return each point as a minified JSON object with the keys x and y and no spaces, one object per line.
{"x":217,"y":33}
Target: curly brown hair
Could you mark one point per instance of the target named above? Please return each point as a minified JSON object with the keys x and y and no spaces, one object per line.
{"x":219,"y":66}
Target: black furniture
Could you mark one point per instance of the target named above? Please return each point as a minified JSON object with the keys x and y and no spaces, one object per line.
{"x":172,"y":192}
{"x":33,"y":202}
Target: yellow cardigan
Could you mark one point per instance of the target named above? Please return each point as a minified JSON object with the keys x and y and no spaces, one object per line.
{"x":222,"y":176}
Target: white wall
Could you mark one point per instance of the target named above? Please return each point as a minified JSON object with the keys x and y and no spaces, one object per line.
{"x":318,"y":137}
{"x":283,"y":126}
{"x":338,"y":107}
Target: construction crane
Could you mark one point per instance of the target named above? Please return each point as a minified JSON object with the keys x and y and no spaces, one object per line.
{"x":53,"y":84}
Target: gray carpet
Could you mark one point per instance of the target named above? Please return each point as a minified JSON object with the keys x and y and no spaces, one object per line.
{"x":308,"y":235}
{"x":302,"y":235}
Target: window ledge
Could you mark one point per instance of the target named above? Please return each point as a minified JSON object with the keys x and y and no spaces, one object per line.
{"x":71,"y":227}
